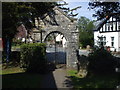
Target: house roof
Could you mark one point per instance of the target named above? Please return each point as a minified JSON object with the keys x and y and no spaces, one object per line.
{"x":103,"y":21}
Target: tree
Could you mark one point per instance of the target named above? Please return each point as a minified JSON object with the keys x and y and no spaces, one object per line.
{"x":85,"y":27}
{"x":16,"y":13}
{"x":68,"y":11}
{"x":101,"y":61}
{"x":104,"y":8}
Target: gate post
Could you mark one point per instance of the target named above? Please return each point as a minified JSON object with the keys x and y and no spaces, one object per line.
{"x":73,"y":46}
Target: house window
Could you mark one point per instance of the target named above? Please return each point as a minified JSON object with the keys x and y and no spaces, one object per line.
{"x":102,"y":41}
{"x":114,"y":19}
{"x":112,"y":28}
{"x":108,"y":28}
{"x":112,"y":41}
{"x":118,"y":27}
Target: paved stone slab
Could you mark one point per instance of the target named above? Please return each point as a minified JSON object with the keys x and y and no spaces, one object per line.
{"x":61,"y":79}
{"x":57,"y":79}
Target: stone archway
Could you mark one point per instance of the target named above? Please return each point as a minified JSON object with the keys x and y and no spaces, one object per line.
{"x":60,"y":22}
{"x":52,"y":31}
{"x":71,"y":35}
{"x":56,"y":48}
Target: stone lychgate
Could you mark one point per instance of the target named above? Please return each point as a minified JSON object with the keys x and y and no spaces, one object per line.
{"x":58,"y":21}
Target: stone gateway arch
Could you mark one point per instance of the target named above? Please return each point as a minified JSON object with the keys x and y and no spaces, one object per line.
{"x":58,"y":21}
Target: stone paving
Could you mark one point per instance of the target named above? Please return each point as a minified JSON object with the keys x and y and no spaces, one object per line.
{"x":57,"y":79}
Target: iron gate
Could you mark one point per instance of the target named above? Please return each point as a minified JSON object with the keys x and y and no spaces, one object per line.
{"x":56,"y":54}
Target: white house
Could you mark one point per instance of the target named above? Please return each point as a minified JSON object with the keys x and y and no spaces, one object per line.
{"x":62,"y":39}
{"x":107,"y":32}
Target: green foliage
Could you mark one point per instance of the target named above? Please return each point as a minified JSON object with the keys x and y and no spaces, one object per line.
{"x":15,"y":56}
{"x":85,"y":31}
{"x":93,"y":80}
{"x":101,"y":61}
{"x":17,"y":42}
{"x":15,"y":13}
{"x":3,"y":57}
{"x":104,"y":8}
{"x":33,"y":57}
{"x":11,"y":70}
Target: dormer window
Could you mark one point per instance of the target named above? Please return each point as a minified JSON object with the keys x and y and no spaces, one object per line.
{"x":112,"y":28}
{"x":114,"y":19}
{"x":111,"y":24}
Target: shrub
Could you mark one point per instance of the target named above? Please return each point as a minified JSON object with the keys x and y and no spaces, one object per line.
{"x":3,"y":57}
{"x":33,"y":57}
{"x":101,"y":60}
{"x":15,"y":56}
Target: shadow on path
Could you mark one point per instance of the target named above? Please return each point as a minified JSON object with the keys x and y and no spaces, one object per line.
{"x":48,"y":81}
{"x":57,"y":79}
{"x":21,"y":80}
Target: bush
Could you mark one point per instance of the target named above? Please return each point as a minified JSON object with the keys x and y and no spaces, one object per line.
{"x":33,"y":57}
{"x":17,"y":42}
{"x":3,"y":57}
{"x":15,"y":56}
{"x":102,"y":61}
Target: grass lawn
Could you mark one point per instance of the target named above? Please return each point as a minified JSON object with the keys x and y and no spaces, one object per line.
{"x":14,"y":77}
{"x":17,"y":46}
{"x":94,"y":81}
{"x":11,"y":70}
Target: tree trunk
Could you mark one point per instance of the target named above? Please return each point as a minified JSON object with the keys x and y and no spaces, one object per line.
{"x":7,"y":48}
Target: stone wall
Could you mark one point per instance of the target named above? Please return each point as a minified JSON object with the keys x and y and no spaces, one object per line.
{"x":60,"y":22}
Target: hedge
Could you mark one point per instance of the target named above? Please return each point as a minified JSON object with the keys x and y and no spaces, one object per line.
{"x":102,"y":61}
{"x":33,"y":57}
{"x":15,"y":56}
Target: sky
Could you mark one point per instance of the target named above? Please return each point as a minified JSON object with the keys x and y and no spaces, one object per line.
{"x":83,"y":11}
